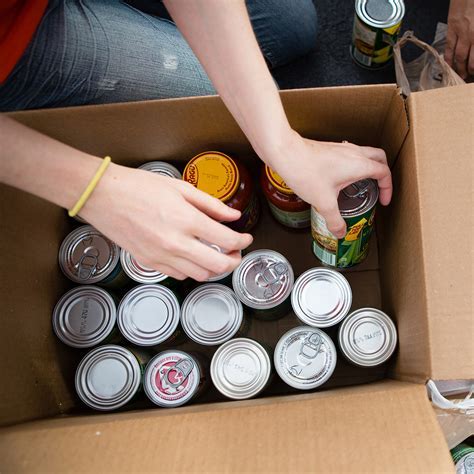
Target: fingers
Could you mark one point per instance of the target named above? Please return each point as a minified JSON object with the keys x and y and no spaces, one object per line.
{"x":335,"y":223}
{"x":191,"y":269}
{"x":451,"y":40}
{"x":376,"y":154}
{"x":461,"y":55}
{"x":171,"y":272}
{"x":208,"y":204}
{"x":381,"y":172}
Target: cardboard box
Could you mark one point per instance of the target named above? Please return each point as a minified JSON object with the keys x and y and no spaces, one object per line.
{"x":420,"y":273}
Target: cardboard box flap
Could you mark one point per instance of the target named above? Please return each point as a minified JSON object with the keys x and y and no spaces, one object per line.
{"x":359,"y":429}
{"x":443,"y":126}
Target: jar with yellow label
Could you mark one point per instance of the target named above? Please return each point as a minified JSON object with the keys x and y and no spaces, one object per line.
{"x":287,"y":208}
{"x":228,"y":180}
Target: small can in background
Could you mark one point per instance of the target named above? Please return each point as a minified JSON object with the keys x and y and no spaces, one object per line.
{"x":108,"y":377}
{"x":148,"y":315}
{"x":241,"y":368}
{"x":141,"y":274}
{"x":212,"y":314}
{"x":357,"y":206}
{"x":376,"y":27}
{"x":263,"y":282}
{"x":305,"y":357}
{"x":321,"y":297}
{"x":367,"y":337}
{"x":173,"y":378}
{"x":463,"y":457}
{"x":161,"y":167}
{"x":85,"y":317}
{"x":87,"y":257}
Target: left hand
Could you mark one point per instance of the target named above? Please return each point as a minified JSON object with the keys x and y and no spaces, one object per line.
{"x":459,"y":53}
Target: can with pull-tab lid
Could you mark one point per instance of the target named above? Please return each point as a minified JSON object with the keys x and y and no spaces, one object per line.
{"x":161,"y":167}
{"x":357,"y":206}
{"x":263,"y":282}
{"x":305,"y":357}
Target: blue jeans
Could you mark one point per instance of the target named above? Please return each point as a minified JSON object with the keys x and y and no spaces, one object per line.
{"x":103,"y":51}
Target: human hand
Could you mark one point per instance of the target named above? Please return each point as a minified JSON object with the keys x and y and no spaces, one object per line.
{"x":160,"y":220}
{"x":459,"y":53}
{"x":318,"y":171}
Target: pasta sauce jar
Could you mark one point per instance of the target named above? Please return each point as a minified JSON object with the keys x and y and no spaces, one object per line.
{"x":286,"y":207}
{"x":229,"y":181}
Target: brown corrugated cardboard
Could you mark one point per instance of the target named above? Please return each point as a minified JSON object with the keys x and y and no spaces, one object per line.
{"x":377,"y":427}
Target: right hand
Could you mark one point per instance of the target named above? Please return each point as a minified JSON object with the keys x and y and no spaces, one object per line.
{"x":161,"y":221}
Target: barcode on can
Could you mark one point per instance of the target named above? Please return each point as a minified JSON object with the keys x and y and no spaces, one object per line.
{"x":323,"y":255}
{"x":361,"y":57}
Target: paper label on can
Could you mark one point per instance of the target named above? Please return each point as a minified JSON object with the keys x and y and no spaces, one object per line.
{"x":295,"y":220}
{"x":174,"y":378}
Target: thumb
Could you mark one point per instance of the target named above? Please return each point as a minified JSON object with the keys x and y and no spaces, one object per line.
{"x":334,"y":221}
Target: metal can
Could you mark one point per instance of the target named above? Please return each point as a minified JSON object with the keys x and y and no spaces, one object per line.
{"x":305,"y":357}
{"x":321,"y":297}
{"x":212,"y":314}
{"x":223,"y":276}
{"x":84,"y":317}
{"x":357,"y":206}
{"x":376,"y":27}
{"x":148,"y":315}
{"x":86,"y":256}
{"x":367,"y":337}
{"x":463,"y":457}
{"x":263,"y":282}
{"x":162,"y":168}
{"x":138,"y":272}
{"x":108,"y":377}
{"x":172,"y":378}
{"x":241,"y":368}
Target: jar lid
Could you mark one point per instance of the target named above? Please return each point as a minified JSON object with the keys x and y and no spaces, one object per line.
{"x":138,"y":272}
{"x":240,"y":368}
{"x":321,"y":297}
{"x":380,"y":13}
{"x":108,"y":377}
{"x":358,"y":197}
{"x":162,"y":168}
{"x":211,"y":314}
{"x":84,"y":316}
{"x":277,"y":181}
{"x":367,"y":337}
{"x":148,"y":315}
{"x":214,"y":173}
{"x":171,"y":378}
{"x":305,"y":357}
{"x":86,"y":256}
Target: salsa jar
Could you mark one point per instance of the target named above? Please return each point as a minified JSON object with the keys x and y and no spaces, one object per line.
{"x":286,"y":207}
{"x":227,"y":180}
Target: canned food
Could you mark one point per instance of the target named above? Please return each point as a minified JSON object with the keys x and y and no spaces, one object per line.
{"x":305,"y":357}
{"x":212,"y":314}
{"x":86,"y":256}
{"x":357,"y":206}
{"x":228,"y":180}
{"x":286,"y":207}
{"x":84,"y":317}
{"x":321,"y":297}
{"x":138,"y":272}
{"x":162,"y":168}
{"x":172,"y":378}
{"x":148,"y":315}
{"x":108,"y":377}
{"x":263,"y":282}
{"x":223,"y":276}
{"x":463,"y":457}
{"x":241,"y":368}
{"x":367,"y":337}
{"x":376,"y":27}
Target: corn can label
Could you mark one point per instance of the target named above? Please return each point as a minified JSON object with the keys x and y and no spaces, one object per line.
{"x":346,"y":252}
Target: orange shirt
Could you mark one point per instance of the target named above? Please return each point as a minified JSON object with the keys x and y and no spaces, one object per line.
{"x":18,"y":22}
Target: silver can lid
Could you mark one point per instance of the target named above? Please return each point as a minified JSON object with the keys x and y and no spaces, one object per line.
{"x":148,"y":315}
{"x":240,"y":368}
{"x":86,"y":256}
{"x":367,"y":337}
{"x":321,"y":297}
{"x":358,"y":197}
{"x":263,"y":280}
{"x":305,"y":357}
{"x":172,"y":378}
{"x":380,"y":13}
{"x":161,"y":167}
{"x":466,"y":464}
{"x":108,"y":377}
{"x":138,"y":272}
{"x":211,"y":314}
{"x":84,"y":316}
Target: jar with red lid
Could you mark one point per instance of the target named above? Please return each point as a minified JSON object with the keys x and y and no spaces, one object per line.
{"x":228,"y":180}
{"x":287,"y":208}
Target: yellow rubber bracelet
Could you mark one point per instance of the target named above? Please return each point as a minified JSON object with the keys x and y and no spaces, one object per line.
{"x":90,"y":187}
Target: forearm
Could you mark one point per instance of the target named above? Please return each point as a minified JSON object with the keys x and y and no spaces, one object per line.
{"x":221,"y":35}
{"x":42,"y":166}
